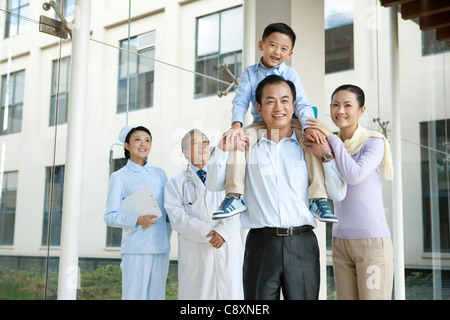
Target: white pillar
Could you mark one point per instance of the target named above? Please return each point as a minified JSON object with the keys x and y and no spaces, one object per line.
{"x":249,"y":47}
{"x":307,"y":20}
{"x":68,"y":265}
{"x":397,"y":187}
{"x":250,"y":40}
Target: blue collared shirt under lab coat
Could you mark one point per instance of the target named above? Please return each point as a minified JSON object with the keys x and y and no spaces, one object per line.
{"x":248,"y":82}
{"x":276,"y":183}
{"x":124,"y":183}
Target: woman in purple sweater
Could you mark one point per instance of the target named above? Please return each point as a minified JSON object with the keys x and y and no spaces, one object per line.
{"x":362,"y":247}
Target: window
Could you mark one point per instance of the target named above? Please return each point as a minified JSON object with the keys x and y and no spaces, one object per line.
{"x":54,"y":185}
{"x":68,"y":8}
{"x":435,"y":137}
{"x":219,"y":41}
{"x":61,"y":92}
{"x":14,"y":23}
{"x":8,"y":199}
{"x":114,"y":235}
{"x":339,"y":52}
{"x":139,"y":82}
{"x":431,"y":46}
{"x":12,"y":102}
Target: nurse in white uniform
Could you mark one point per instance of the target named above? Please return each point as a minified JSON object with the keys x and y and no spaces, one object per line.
{"x":210,"y":252}
{"x":145,"y":239}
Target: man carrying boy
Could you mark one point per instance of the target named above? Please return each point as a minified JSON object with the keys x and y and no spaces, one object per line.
{"x":281,"y":250}
{"x":276,"y":45}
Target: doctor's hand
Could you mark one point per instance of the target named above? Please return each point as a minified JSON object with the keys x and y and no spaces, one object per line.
{"x":216,"y":241}
{"x":146,"y":221}
{"x":233,"y":139}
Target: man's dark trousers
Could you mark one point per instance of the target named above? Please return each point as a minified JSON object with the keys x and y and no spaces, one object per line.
{"x":281,"y":259}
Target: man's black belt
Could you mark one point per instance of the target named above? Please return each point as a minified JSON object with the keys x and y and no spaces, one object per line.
{"x":284,"y":232}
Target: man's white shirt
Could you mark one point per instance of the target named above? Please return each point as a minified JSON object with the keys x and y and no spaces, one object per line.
{"x":276,"y":183}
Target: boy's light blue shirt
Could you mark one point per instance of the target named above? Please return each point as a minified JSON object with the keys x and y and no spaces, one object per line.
{"x":124,"y":183}
{"x":252,"y":76}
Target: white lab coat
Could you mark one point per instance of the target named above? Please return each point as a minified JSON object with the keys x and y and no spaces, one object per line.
{"x":204,"y":273}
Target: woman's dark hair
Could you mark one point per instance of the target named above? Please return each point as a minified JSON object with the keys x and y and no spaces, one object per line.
{"x":127,"y":139}
{"x":360,"y":96}
{"x":273,"y":79}
{"x":281,"y":28}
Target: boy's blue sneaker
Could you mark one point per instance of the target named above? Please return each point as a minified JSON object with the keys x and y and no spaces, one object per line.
{"x":229,"y":207}
{"x":323,"y":211}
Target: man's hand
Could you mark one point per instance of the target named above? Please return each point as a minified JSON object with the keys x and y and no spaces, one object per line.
{"x":318,"y":149}
{"x":216,"y":241}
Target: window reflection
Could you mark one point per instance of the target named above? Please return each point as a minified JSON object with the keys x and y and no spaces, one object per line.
{"x":68,"y":7}
{"x":114,"y":235}
{"x":431,"y":45}
{"x":8,"y":207}
{"x":54,"y":186}
{"x":13,"y":86}
{"x":435,"y":184}
{"x":14,"y":24}
{"x":339,"y":50}
{"x":219,"y":41}
{"x":136,"y":73}
{"x":60,"y":91}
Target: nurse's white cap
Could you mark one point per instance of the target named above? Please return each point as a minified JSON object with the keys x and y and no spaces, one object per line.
{"x":124,"y":132}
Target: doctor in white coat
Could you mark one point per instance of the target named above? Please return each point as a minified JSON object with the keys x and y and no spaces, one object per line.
{"x":210,"y":252}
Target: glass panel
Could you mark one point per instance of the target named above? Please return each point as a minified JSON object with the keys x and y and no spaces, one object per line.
{"x":426,"y":73}
{"x":54,"y":181}
{"x":114,"y":235}
{"x":424,"y":102}
{"x":208,"y":35}
{"x":137,"y":73}
{"x":434,"y":138}
{"x":431,"y":45}
{"x":13,"y":4}
{"x":24,"y":12}
{"x":159,"y":96}
{"x":68,"y":7}
{"x":19,"y":84}
{"x":128,"y":61}
{"x":145,"y":90}
{"x":11,"y":104}
{"x":338,"y":35}
{"x":146,"y":64}
{"x":61,"y":70}
{"x":234,"y":63}
{"x":15,"y":118}
{"x":24,"y":254}
{"x":231,"y":26}
{"x":231,"y":37}
{"x":338,"y":13}
{"x":8,"y":203}
{"x":12,"y":23}
{"x":207,"y":86}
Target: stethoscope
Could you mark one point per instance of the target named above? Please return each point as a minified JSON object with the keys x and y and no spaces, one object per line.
{"x":184,"y":193}
{"x":188,"y":180}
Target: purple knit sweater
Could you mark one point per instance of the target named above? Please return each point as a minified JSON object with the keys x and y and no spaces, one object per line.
{"x":361,"y":214}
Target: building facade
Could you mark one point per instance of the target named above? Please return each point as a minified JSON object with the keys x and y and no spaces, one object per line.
{"x":156,"y":63}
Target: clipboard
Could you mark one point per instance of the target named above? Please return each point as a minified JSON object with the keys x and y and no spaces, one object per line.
{"x":140,"y":203}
